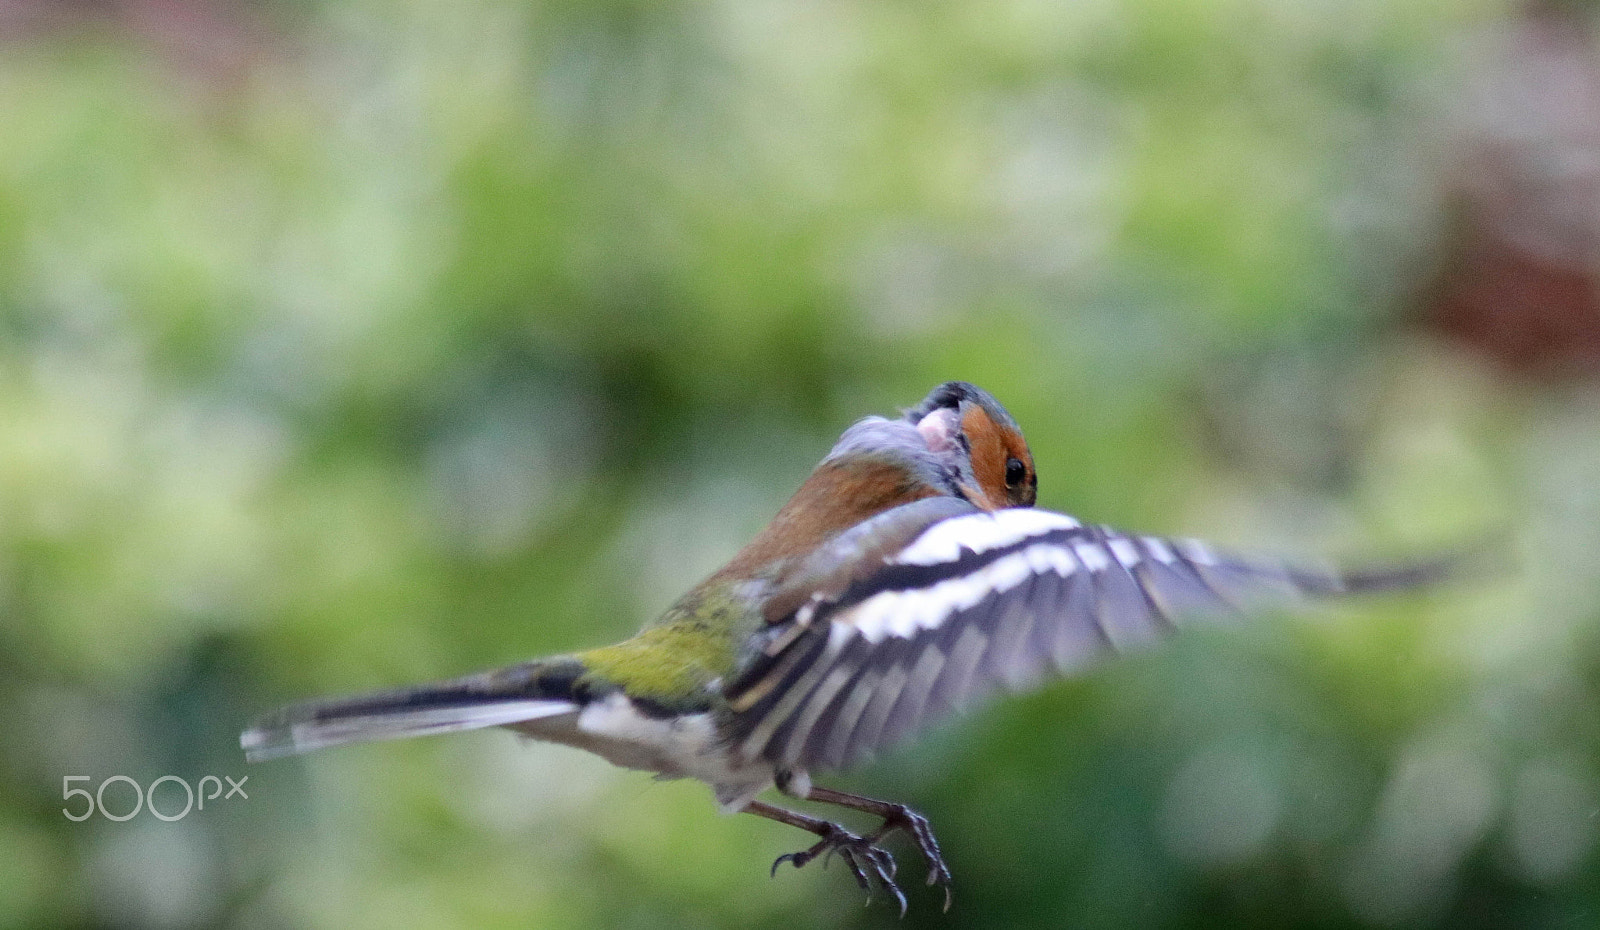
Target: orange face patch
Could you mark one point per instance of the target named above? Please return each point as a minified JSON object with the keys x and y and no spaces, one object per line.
{"x":993,"y":449}
{"x":986,"y":449}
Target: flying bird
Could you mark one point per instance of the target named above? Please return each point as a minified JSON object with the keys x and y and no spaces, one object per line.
{"x":908,"y":576}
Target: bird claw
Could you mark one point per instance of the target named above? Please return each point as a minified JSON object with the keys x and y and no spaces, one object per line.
{"x":798,"y":858}
{"x":867,"y":861}
{"x":922,"y":834}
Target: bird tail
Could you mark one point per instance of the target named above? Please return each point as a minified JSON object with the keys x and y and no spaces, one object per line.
{"x":530,"y":691}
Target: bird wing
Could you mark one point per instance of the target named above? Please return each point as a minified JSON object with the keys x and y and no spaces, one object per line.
{"x":980,"y":601}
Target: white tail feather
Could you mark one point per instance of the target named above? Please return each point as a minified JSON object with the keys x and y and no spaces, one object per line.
{"x":288,"y":736}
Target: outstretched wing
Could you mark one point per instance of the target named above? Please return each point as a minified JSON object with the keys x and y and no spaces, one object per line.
{"x":983,"y":601}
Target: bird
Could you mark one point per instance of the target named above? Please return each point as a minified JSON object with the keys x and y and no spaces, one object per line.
{"x":909,"y":576}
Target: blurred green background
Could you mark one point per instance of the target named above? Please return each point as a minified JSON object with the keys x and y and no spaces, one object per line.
{"x":352,"y":344}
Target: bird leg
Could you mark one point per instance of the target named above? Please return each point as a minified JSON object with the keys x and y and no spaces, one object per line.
{"x":866,"y":859}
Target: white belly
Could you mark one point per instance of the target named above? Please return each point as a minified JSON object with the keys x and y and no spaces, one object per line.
{"x":675,"y":747}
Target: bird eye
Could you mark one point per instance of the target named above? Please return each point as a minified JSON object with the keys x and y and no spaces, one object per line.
{"x":1015,"y":472}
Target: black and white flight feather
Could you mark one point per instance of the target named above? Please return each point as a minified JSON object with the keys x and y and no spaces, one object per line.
{"x":976,"y":601}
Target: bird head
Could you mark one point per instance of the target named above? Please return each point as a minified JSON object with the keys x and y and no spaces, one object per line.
{"x":958,"y":442}
{"x":980,"y":443}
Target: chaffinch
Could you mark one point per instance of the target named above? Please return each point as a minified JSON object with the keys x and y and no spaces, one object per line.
{"x":907,"y":577}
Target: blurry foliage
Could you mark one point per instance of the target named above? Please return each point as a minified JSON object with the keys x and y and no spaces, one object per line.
{"x":406,"y":339}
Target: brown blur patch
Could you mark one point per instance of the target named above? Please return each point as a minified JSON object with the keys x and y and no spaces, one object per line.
{"x":1519,"y":277}
{"x":217,"y":42}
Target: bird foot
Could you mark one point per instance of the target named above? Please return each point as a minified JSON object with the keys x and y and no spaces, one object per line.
{"x":867,"y":861}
